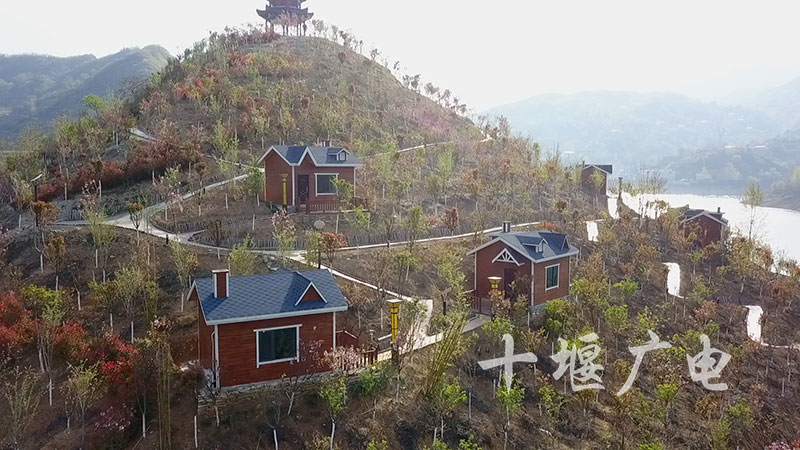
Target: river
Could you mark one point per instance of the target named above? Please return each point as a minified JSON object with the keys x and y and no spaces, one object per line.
{"x":774,"y":226}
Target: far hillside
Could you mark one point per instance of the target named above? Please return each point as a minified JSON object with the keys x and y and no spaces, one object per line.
{"x":36,"y":89}
{"x":630,"y":128}
{"x":782,"y":103}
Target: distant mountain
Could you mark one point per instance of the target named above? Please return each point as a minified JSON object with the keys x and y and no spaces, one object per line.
{"x":728,"y":170}
{"x":36,"y":89}
{"x":782,"y":104}
{"x":629,"y":128}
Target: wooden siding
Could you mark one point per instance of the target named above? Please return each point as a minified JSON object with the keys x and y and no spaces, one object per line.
{"x":237,"y":349}
{"x":540,"y":294}
{"x":708,"y":230}
{"x":274,"y":166}
{"x":484,"y":268}
{"x":308,"y":168}
{"x":205,"y":343}
{"x":588,"y":184}
{"x":312,"y":295}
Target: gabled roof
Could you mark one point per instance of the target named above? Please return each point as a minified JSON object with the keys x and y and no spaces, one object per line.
{"x":607,"y":168}
{"x":321,"y":156}
{"x":537,"y":246}
{"x":692,"y":214}
{"x":261,"y":297}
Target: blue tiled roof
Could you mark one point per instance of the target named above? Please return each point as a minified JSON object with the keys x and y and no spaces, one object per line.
{"x":537,"y":245}
{"x":691,"y":214}
{"x":607,"y":168}
{"x":321,"y":155}
{"x":258,"y":297}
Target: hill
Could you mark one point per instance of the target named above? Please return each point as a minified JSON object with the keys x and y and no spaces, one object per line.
{"x":260,"y":90}
{"x":630,"y":128}
{"x":234,"y":93}
{"x":781,"y":103}
{"x":35,"y":89}
{"x":730,"y":169}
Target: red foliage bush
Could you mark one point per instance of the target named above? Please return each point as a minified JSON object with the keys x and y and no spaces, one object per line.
{"x":17,"y":326}
{"x":72,"y":342}
{"x":116,"y":358}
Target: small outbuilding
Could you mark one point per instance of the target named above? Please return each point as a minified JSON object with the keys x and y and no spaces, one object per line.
{"x":594,"y":177}
{"x":534,"y":264}
{"x":259,"y":328}
{"x":709,"y":227}
{"x":302,"y":175}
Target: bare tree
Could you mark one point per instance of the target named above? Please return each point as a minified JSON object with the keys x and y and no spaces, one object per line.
{"x":81,"y":388}
{"x":23,"y":394}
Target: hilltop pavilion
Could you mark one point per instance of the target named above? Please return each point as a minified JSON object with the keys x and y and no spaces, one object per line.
{"x":287,"y":14}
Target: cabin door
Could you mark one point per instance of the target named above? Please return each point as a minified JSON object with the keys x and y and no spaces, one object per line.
{"x":302,"y":189}
{"x":509,"y":276}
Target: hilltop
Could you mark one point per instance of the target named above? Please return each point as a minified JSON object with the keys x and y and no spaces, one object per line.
{"x":35,"y":89}
{"x":256,"y":87}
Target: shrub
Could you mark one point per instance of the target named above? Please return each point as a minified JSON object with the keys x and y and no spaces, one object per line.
{"x":16,"y":325}
{"x":116,"y":359}
{"x":71,"y":342}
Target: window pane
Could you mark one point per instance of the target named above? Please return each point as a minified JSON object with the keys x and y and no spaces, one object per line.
{"x":552,"y":277}
{"x":265,"y":350}
{"x":325,"y":184}
{"x":285,"y":343}
{"x":277,"y":344}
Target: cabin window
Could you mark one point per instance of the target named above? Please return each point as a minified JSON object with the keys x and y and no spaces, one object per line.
{"x":325,"y":183}
{"x":342,"y":156}
{"x":551,"y":277}
{"x":276,"y":345}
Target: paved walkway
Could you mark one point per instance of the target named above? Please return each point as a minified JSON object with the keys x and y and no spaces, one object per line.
{"x":146,"y":227}
{"x":754,"y":314}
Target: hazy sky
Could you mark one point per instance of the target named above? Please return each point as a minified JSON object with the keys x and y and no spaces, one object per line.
{"x":487,"y":53}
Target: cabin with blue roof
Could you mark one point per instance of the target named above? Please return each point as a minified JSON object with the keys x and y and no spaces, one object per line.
{"x":534,"y":265}
{"x":301,"y":176}
{"x":259,"y":328}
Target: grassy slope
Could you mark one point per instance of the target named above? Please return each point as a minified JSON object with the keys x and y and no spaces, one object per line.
{"x":356,"y":103}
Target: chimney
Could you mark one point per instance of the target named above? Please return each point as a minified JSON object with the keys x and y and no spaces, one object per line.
{"x":221,"y":283}
{"x":326,"y":143}
{"x":719,"y":210}
{"x":506,"y":227}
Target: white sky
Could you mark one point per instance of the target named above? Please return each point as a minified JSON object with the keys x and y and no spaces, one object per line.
{"x":487,"y":53}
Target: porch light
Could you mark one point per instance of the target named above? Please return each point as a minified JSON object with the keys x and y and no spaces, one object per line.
{"x":394,"y":310}
{"x":494,"y":282}
{"x":284,"y":176}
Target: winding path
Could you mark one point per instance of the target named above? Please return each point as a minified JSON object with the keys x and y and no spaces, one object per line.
{"x":754,"y":315}
{"x":674,"y":279}
{"x":422,"y":339}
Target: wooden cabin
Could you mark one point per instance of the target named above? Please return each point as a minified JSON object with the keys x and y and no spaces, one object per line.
{"x":536,"y":264}
{"x":301,"y":177}
{"x":259,"y":328}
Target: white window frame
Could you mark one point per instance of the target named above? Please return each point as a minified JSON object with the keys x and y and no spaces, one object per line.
{"x":558,"y":278}
{"x":505,"y":257}
{"x":277,"y":361}
{"x":316,"y":184}
{"x":341,"y":156}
